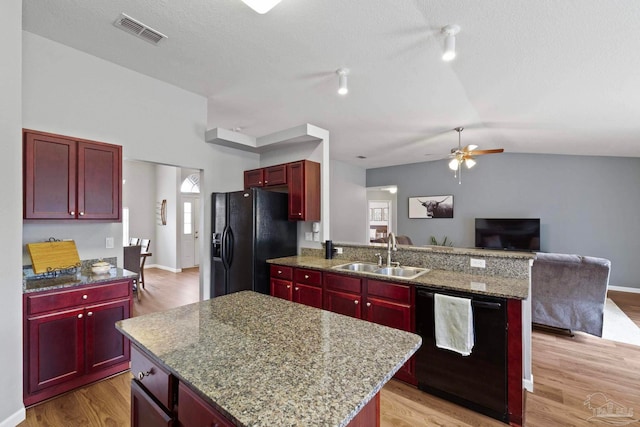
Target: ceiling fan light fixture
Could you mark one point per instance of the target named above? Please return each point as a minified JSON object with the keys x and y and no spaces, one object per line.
{"x":450,"y":32}
{"x":453,"y":164}
{"x":342,"y":73}
{"x":469,"y":163}
{"x":261,"y":6}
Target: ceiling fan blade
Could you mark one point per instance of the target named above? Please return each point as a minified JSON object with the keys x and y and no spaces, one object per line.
{"x":469,"y":147}
{"x":492,"y":151}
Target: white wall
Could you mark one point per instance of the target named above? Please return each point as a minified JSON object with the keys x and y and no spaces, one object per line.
{"x":139,"y":195}
{"x":68,"y":92}
{"x":587,"y":205}
{"x":11,"y":407}
{"x":168,"y":181}
{"x":348,"y":203}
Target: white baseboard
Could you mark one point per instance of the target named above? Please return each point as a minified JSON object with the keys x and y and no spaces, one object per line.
{"x":624,"y":289}
{"x":165,"y":268}
{"x":528,"y":384}
{"x":19,"y":416}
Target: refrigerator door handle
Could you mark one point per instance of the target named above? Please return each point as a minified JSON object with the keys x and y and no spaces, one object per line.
{"x":230,"y":247}
{"x":224,"y":247}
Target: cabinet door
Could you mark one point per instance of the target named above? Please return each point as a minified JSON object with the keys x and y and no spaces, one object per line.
{"x":145,"y":412}
{"x":55,"y":348}
{"x":303,"y":181}
{"x":389,"y":313}
{"x":275,"y":175}
{"x":99,"y":181}
{"x":307,"y":295}
{"x":49,"y":177}
{"x":194,"y":411}
{"x":106,"y":346}
{"x":254,"y":178}
{"x":343,"y":303}
{"x":281,"y":289}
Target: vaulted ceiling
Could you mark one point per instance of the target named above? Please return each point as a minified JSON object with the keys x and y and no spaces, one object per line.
{"x":534,"y":76}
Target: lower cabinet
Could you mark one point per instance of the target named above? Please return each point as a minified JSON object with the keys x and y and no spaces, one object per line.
{"x":159,"y":399}
{"x":70,"y":338}
{"x":194,"y":411}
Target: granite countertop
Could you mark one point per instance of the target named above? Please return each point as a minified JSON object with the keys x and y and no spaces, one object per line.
{"x":270,"y":362}
{"x":37,"y":283}
{"x":505,"y":287}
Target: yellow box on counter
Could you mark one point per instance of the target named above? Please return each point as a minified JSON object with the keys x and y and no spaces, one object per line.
{"x":52,"y":256}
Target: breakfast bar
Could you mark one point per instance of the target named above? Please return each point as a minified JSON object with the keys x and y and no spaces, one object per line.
{"x":248,"y":359}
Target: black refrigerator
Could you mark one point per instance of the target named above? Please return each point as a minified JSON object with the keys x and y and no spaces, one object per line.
{"x":248,"y":227}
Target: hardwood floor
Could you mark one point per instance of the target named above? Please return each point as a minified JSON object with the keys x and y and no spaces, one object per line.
{"x":567,"y":370}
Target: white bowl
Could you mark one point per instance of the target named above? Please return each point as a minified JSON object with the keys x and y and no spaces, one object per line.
{"x":100,"y":267}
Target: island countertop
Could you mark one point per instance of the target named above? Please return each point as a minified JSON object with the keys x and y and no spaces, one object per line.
{"x":506,"y":287}
{"x":269,"y":362}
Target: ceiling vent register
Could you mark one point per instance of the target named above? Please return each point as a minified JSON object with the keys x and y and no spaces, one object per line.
{"x":137,"y":28}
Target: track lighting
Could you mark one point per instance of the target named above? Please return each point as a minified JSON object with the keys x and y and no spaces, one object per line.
{"x":342,"y":80}
{"x":450,"y":32}
{"x":261,"y":6}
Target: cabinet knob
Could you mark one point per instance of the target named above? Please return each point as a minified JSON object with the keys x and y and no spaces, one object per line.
{"x":306,"y":276}
{"x":368,"y":304}
{"x":72,"y":213}
{"x":80,"y":316}
{"x":296,"y":288}
{"x":265,"y":181}
{"x":81,"y":213}
{"x":84,"y":296}
{"x":90,"y":313}
{"x":355,"y":301}
{"x":288,"y":286}
{"x":259,"y":182}
{"x":279,"y":271}
{"x":141,"y":374}
{"x":299,"y":213}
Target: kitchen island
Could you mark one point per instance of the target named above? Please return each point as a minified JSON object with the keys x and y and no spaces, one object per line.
{"x":261,"y":361}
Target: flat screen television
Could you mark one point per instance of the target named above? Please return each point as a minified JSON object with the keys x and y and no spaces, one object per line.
{"x":513,"y":234}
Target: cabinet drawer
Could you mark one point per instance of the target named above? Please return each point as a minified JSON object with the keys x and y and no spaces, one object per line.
{"x":155,"y":379}
{"x":343,"y":283}
{"x":391,"y":291}
{"x":308,"y":277}
{"x":56,"y":300}
{"x":280,"y":272}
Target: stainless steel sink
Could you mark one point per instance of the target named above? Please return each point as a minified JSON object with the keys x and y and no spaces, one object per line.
{"x":358,"y":266}
{"x":396,"y":272}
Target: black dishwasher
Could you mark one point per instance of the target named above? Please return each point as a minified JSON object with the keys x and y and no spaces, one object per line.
{"x":477,"y":381}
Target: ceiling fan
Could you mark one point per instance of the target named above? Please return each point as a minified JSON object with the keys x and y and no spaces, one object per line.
{"x":466,"y":155}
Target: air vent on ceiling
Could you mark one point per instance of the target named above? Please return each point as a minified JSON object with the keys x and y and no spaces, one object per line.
{"x":137,"y":28}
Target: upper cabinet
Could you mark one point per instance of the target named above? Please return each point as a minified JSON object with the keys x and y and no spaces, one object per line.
{"x":69,"y":178}
{"x":301,"y":180}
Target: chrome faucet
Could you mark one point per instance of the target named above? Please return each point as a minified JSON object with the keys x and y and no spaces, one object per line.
{"x":391,"y":246}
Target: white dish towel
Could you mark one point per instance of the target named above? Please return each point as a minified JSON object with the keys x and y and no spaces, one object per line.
{"x":454,"y":323}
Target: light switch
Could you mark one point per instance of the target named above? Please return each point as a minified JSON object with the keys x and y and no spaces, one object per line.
{"x":109,"y":243}
{"x":480,"y":263}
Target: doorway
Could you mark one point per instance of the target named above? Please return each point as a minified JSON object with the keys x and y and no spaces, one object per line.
{"x":190,"y":231}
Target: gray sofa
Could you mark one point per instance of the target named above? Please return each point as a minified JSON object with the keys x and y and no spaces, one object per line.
{"x":569,"y":291}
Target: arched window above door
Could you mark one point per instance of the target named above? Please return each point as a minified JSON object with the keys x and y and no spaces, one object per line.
{"x":191,"y":184}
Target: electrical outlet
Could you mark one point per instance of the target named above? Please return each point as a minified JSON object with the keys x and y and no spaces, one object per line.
{"x":480,"y":263}
{"x":338,"y":250}
{"x":109,"y":243}
{"x":308,"y":236}
{"x":316,"y":237}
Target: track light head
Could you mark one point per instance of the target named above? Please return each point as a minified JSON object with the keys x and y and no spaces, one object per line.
{"x":450,"y":32}
{"x":342,"y":80}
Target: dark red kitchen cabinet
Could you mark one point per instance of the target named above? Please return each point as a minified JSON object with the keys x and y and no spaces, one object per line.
{"x":303,"y":180}
{"x":105,"y":345}
{"x":343,"y":303}
{"x":70,"y":178}
{"x":275,"y":175}
{"x":282,"y":289}
{"x":194,"y":411}
{"x":56,"y":349}
{"x":145,"y":412}
{"x":50,"y":175}
{"x":254,"y":178}
{"x":307,"y":295}
{"x":70,"y":338}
